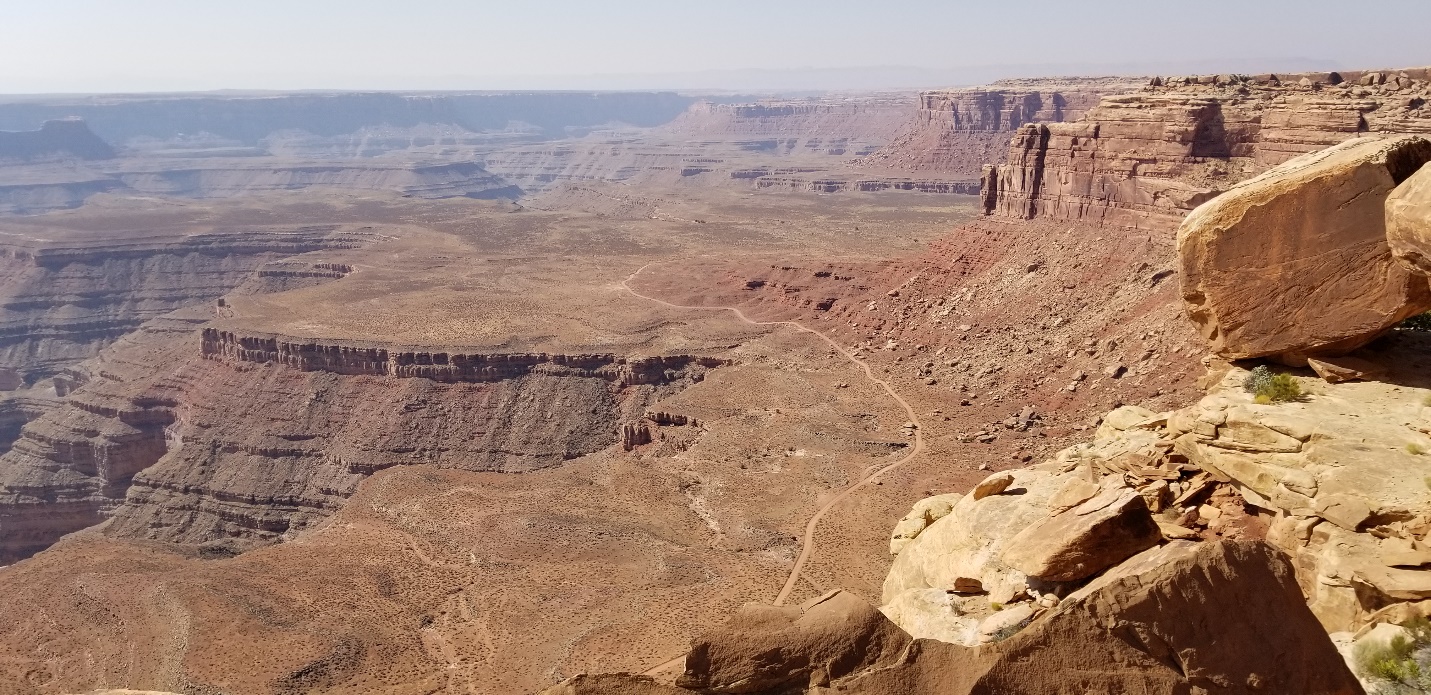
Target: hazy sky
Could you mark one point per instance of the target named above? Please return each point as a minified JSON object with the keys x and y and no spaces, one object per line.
{"x":152,"y":45}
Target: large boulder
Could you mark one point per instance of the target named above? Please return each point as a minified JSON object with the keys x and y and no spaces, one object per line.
{"x":1295,"y":262}
{"x":924,"y":513}
{"x":1408,"y":221}
{"x":1084,"y":540}
{"x":1217,"y":617}
{"x":967,"y":542}
{"x":768,"y":648}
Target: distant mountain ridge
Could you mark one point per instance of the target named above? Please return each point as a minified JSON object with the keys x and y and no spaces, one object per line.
{"x":56,"y":139}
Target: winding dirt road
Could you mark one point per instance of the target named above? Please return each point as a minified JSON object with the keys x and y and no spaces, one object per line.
{"x":870,"y":474}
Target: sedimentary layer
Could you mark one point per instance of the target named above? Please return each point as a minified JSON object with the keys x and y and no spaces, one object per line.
{"x":191,"y":453}
{"x":1147,"y":158}
{"x":62,"y":299}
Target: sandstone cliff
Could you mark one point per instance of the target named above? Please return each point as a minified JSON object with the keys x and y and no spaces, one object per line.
{"x":1146,"y":158}
{"x":158,"y":452}
{"x":65,"y":297}
{"x":957,"y":131}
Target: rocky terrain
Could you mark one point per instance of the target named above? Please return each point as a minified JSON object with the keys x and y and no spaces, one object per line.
{"x":357,"y":435}
{"x":1149,"y":157}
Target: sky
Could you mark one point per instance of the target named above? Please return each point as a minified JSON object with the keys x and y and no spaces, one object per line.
{"x":172,"y":45}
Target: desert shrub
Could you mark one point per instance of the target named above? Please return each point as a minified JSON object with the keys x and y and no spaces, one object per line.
{"x":1399,"y":666}
{"x":1415,"y":449}
{"x":1271,"y":388}
{"x":1419,"y":322}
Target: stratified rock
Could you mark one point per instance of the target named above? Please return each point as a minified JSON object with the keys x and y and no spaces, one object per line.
{"x":1080,"y":542}
{"x":765,"y":648}
{"x":1295,"y":263}
{"x":1408,"y":221}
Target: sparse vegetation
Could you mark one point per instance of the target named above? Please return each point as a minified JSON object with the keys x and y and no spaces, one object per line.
{"x":1268,"y":387}
{"x":1415,"y":449}
{"x":1419,"y":322}
{"x":1426,"y":400}
{"x":997,"y":606}
{"x":1403,"y":665}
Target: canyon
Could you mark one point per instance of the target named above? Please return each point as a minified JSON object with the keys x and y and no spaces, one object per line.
{"x":484,"y":392}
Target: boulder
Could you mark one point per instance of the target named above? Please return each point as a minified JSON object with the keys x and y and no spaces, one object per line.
{"x":934,"y":614}
{"x":1295,"y":263}
{"x":992,"y":485}
{"x":1077,"y":543}
{"x":1214,"y":617}
{"x":612,"y":684}
{"x":768,"y":648}
{"x":924,"y":513}
{"x":967,"y":542}
{"x":1408,"y":221}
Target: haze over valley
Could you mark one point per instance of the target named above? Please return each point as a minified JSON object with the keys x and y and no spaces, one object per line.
{"x":728,"y":350}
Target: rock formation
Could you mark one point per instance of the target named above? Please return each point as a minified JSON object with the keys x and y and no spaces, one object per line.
{"x":1222,"y":616}
{"x":55,"y":140}
{"x":1295,"y":262}
{"x":1408,"y":221}
{"x":1146,"y":158}
{"x":144,"y":448}
{"x":68,"y":296}
{"x":954,"y":132}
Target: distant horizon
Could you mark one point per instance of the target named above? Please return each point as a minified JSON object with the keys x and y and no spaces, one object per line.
{"x":174,"y":46}
{"x":776,"y":81}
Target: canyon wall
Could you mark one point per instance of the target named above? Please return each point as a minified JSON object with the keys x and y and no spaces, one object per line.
{"x":1146,"y":158}
{"x":956,"y":131}
{"x":62,"y":300}
{"x":190,"y":454}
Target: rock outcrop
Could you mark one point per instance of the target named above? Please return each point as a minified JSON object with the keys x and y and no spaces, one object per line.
{"x":1224,"y":616}
{"x":954,"y":132}
{"x":770,"y":649}
{"x":1295,"y":262}
{"x":1146,"y":158}
{"x":1408,"y":221}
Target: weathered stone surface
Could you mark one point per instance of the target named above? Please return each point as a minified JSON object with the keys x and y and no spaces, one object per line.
{"x":1080,"y":542}
{"x":992,"y":485}
{"x":967,"y":542}
{"x":1217,"y":617}
{"x":924,"y":513}
{"x":764,"y":648}
{"x":935,"y":614}
{"x":1408,"y":221}
{"x":612,"y":684}
{"x":1295,"y":263}
{"x":1338,"y":369}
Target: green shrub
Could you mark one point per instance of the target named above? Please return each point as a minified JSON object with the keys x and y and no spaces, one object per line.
{"x":1272,"y":388}
{"x":1415,"y":449}
{"x":1419,"y":322}
{"x":1398,"y":663}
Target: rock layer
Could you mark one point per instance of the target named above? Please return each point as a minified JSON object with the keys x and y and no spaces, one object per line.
{"x":1146,"y":158}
